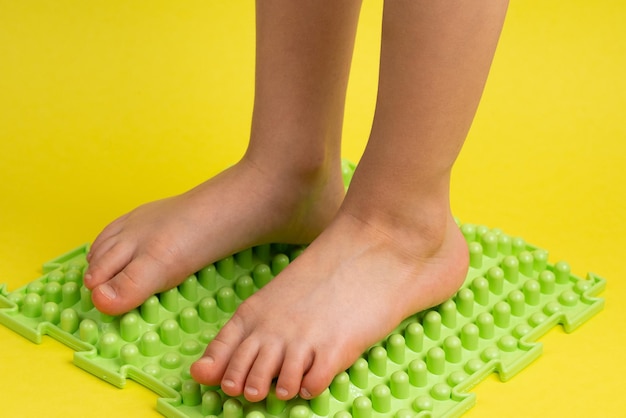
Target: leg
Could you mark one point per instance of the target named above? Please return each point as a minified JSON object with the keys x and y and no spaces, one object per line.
{"x":291,"y":170}
{"x":393,"y":248}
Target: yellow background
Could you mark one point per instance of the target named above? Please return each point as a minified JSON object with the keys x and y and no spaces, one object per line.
{"x":105,"y":105}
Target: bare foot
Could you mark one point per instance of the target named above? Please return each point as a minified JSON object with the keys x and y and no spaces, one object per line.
{"x":348,"y":289}
{"x":158,"y":245}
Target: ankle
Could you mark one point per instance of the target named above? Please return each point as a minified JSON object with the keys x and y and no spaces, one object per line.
{"x":422,"y":229}
{"x":313,"y":167}
{"x":299,"y":203}
{"x":308,"y":181}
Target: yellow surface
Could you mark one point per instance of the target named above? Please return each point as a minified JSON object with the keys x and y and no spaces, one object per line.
{"x":108,"y":104}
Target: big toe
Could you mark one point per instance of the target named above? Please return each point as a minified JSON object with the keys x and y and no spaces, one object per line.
{"x":210,"y":368}
{"x":127,"y":289}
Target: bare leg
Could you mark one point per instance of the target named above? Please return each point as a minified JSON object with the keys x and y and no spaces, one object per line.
{"x":288,"y":186}
{"x":393,"y":248}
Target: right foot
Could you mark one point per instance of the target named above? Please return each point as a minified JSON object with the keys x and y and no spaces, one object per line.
{"x":355,"y":283}
{"x":158,"y":245}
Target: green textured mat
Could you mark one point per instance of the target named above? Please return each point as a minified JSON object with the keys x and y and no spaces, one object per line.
{"x":425,"y":367}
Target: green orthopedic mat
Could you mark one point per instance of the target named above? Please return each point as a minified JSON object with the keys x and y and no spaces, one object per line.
{"x":424,"y":368}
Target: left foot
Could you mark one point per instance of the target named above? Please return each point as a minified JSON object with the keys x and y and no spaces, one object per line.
{"x":351,"y":287}
{"x":158,"y":245}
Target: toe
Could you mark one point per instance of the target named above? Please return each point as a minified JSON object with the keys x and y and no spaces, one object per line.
{"x":318,"y":378}
{"x":111,"y":230}
{"x":239,"y":366}
{"x":98,"y":251}
{"x":129,"y":288}
{"x":209,"y":370}
{"x":265,"y":368}
{"x":297,"y":361}
{"x":106,"y":262}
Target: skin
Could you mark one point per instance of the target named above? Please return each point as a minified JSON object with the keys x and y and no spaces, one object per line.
{"x":390,"y":248}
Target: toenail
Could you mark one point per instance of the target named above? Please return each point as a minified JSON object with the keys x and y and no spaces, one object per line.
{"x":228,"y":383}
{"x":305,"y":393}
{"x":282,"y":392}
{"x":251,"y":391}
{"x":206,"y":361}
{"x":108,"y":291}
{"x":87,"y":277}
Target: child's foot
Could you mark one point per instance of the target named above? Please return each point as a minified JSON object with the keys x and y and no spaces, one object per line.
{"x":349,"y":289}
{"x":158,"y":245}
